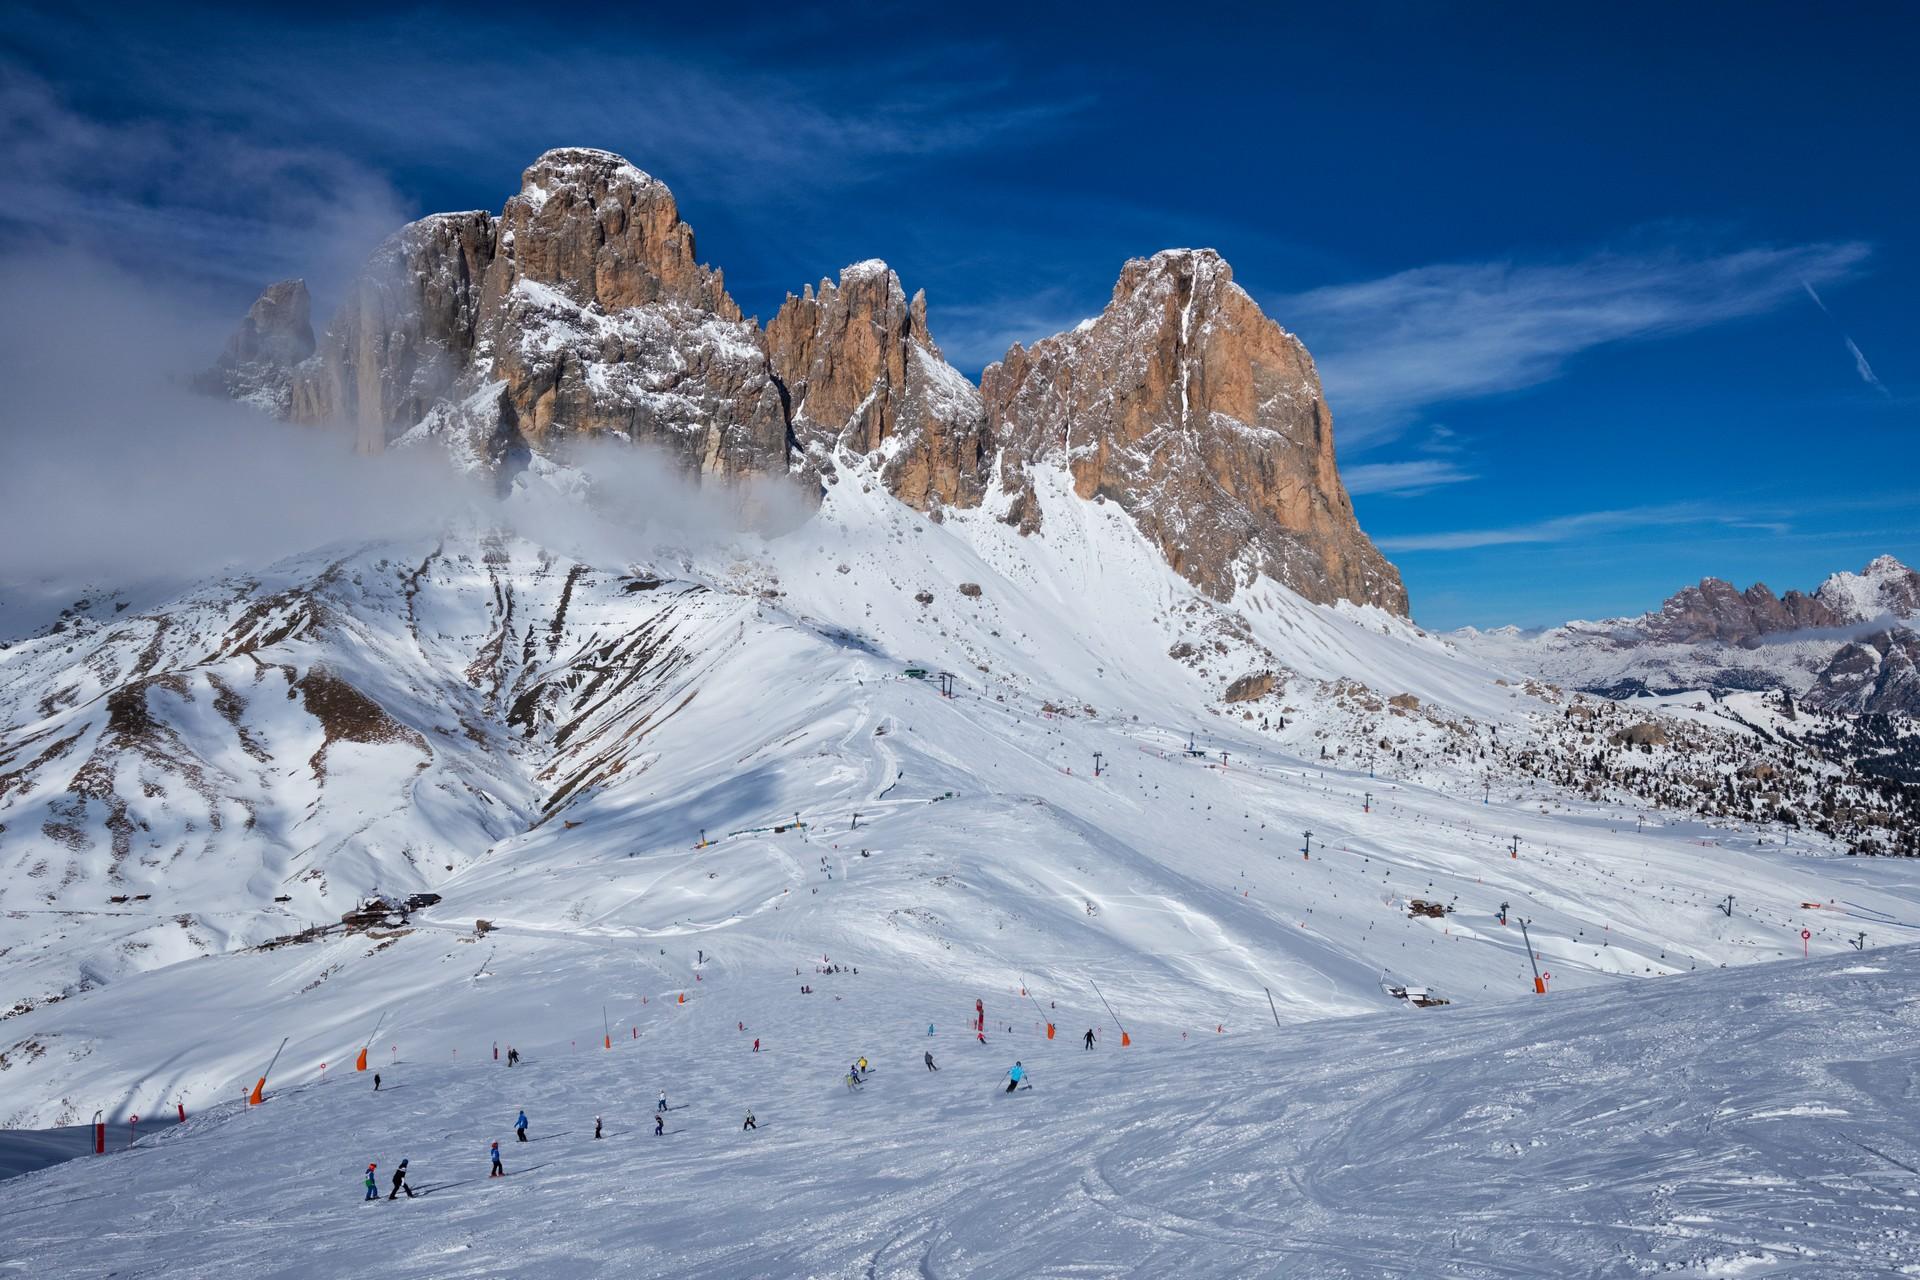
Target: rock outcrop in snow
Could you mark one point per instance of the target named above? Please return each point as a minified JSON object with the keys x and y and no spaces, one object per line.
{"x":1203,"y":419}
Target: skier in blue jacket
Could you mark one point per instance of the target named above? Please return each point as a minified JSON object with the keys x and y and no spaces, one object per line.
{"x":373,"y":1192}
{"x":1015,"y":1076}
{"x":520,"y":1126}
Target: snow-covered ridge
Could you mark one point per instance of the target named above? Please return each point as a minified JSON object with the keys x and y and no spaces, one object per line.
{"x":541,"y":740}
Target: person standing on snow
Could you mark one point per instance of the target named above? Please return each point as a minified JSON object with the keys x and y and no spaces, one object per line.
{"x":750,"y":1124}
{"x":756,"y":1044}
{"x":400,"y":1182}
{"x":596,"y":1126}
{"x":494,"y":1151}
{"x":930,"y":1065}
{"x":373,"y":1192}
{"x":520,"y":1126}
{"x":1089,"y":1037}
{"x":1015,"y":1076}
{"x":376,"y":1082}
{"x":659,"y":1123}
{"x":929,"y":1028}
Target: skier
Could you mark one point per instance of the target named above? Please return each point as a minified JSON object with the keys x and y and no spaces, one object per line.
{"x":663,"y":1101}
{"x":1089,"y":1037}
{"x":930,"y":1066}
{"x":756,"y":1044}
{"x":659,"y":1123}
{"x":494,"y":1151}
{"x":373,"y":1192}
{"x":1015,"y":1076}
{"x":596,"y":1126}
{"x":376,"y":1082}
{"x":400,"y":1182}
{"x":929,"y":1028}
{"x":862,"y":1064}
{"x":750,"y":1124}
{"x":520,"y":1126}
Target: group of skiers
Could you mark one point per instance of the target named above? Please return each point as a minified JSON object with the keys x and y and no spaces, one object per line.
{"x":856,"y":1077}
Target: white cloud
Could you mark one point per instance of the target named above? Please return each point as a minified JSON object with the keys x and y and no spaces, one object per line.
{"x":1865,"y":370}
{"x":1389,"y":347}
{"x":1558,"y":529}
{"x":1403,"y":479}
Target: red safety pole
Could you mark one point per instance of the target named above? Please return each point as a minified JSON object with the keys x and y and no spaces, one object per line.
{"x":182,"y":1104}
{"x":99,"y":1135}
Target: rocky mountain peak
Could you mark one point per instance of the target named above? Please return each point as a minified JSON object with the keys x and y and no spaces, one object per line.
{"x":863,"y":375}
{"x":1717,"y":610}
{"x":1885,"y":586}
{"x":1205,"y":420}
{"x":604,"y":233}
{"x":277,"y":330}
{"x":257,"y":365}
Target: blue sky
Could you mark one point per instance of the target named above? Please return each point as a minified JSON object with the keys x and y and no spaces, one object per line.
{"x":1606,"y":299}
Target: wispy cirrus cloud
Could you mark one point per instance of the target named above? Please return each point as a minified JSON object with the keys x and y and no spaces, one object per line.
{"x":1391,"y":347}
{"x":1582,"y":525}
{"x":1860,"y":365}
{"x":1404,"y":479}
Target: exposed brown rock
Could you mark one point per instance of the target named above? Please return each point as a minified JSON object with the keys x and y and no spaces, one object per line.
{"x":1645,"y":734}
{"x":1205,"y":421}
{"x":1257,"y":684}
{"x":1715,"y":610}
{"x":863,"y":375}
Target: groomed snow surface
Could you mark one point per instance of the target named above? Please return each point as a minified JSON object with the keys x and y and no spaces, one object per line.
{"x":1751,"y":1122}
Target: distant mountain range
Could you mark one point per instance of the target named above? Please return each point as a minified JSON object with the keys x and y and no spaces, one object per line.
{"x":1849,"y":646}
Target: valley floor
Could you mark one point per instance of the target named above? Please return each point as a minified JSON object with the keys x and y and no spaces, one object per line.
{"x":1751,"y":1122}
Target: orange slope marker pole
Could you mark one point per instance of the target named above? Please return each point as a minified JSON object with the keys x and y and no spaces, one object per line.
{"x":360,"y":1063}
{"x":606,"y":1028}
{"x":1125,"y":1039}
{"x":259,"y":1093}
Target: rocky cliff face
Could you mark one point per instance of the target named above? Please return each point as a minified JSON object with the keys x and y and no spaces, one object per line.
{"x":1205,"y":420}
{"x":863,"y":375}
{"x":579,"y":311}
{"x":405,"y":334}
{"x":1878,"y":673}
{"x":1716,"y":610}
{"x":275,"y":337}
{"x":582,"y":311}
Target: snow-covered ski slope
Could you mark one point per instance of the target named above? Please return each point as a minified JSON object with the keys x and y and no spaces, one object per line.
{"x":543,"y":740}
{"x":1755,"y":1122}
